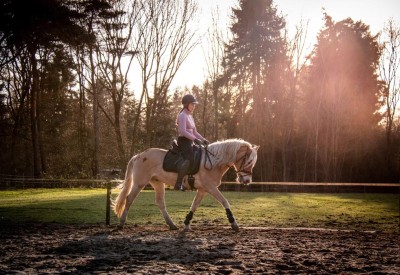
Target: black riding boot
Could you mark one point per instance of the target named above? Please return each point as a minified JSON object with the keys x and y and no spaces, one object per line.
{"x":183,"y":169}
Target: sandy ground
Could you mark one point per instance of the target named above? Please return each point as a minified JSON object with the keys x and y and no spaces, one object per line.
{"x":52,"y":248}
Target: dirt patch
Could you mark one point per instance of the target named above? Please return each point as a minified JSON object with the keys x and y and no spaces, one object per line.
{"x":54,"y":248}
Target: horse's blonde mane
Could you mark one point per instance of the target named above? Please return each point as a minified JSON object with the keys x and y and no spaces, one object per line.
{"x":225,"y":151}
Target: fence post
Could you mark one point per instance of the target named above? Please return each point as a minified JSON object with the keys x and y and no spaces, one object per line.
{"x":108,"y":204}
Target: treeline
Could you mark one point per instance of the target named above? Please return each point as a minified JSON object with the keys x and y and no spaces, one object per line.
{"x":66,"y":109}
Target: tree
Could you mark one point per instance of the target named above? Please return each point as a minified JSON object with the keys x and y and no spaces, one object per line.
{"x":113,"y":52}
{"x":37,"y":25}
{"x":56,"y":109}
{"x":214,"y":54}
{"x":341,"y":97}
{"x":15,"y":79}
{"x":295,"y":66}
{"x":389,"y":68}
{"x":94,"y":11}
{"x":254,"y":61}
{"x":167,"y":41}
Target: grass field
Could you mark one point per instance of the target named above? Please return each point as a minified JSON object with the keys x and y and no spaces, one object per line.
{"x":87,"y":206}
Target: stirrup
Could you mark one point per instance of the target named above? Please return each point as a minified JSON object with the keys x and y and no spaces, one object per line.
{"x":178,"y":186}
{"x":182,"y":170}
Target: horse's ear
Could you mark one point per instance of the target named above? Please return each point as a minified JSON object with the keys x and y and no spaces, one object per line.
{"x":256,"y":147}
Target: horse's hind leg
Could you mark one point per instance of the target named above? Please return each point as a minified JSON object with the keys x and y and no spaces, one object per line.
{"x":159,"y":189}
{"x":129,"y":200}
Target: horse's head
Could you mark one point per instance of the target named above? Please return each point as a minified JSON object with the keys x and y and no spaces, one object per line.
{"x":246,"y":158}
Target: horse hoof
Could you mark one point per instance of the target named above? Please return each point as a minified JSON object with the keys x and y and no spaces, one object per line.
{"x":187,"y":228}
{"x":235,"y":227}
{"x":118,"y":228}
{"x":173,"y":227}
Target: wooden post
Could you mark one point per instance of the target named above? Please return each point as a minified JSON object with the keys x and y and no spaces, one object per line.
{"x":108,"y":204}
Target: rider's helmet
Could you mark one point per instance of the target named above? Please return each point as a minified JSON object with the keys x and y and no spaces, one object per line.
{"x":189,"y":99}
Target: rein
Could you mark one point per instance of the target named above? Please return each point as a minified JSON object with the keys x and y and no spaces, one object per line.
{"x":207,"y":157}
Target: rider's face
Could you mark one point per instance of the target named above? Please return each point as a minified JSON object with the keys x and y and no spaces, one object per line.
{"x":191,"y":107}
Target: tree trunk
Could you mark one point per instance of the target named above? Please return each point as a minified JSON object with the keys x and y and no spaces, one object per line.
{"x":82,"y":133}
{"x":18,"y":122}
{"x":43,"y":161}
{"x":136,"y":123}
{"x":216,"y":109}
{"x":34,"y":114}
{"x":117,"y":128}
{"x":95,"y":116}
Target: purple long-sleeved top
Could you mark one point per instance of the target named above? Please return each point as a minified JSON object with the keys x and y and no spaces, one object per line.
{"x":186,"y":126}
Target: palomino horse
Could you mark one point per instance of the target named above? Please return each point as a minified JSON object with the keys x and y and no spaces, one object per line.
{"x":147,"y":167}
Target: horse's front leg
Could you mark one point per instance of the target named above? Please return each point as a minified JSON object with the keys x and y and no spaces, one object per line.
{"x":195,"y":204}
{"x":224,"y":202}
{"x":159,"y":189}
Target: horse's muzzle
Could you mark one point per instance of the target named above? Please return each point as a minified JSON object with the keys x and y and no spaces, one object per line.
{"x":245,"y":180}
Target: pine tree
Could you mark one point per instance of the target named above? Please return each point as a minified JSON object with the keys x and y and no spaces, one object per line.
{"x":254,"y":63}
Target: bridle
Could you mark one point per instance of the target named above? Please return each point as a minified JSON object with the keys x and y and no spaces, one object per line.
{"x":243,"y":170}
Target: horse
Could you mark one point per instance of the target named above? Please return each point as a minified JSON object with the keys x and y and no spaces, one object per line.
{"x":147,"y":167}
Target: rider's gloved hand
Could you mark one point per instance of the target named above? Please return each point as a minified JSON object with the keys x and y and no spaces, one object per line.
{"x":206,"y":142}
{"x":198,"y":141}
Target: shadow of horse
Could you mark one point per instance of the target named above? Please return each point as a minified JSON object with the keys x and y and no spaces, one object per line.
{"x":162,"y":251}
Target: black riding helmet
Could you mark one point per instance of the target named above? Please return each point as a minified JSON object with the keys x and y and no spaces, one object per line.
{"x":187,"y":99}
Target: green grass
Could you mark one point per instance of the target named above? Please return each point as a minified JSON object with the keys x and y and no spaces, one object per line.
{"x":343,"y":211}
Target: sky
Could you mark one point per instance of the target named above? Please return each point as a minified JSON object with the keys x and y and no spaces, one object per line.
{"x":371,"y":12}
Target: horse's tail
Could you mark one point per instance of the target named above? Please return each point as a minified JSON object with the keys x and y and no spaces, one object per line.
{"x":126,"y":186}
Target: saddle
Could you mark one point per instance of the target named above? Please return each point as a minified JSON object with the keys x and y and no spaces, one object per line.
{"x":173,"y":159}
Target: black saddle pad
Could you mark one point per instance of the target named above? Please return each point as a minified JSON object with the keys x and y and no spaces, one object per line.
{"x":173,"y":159}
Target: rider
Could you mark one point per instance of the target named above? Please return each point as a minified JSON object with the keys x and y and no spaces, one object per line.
{"x":187,"y":134}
